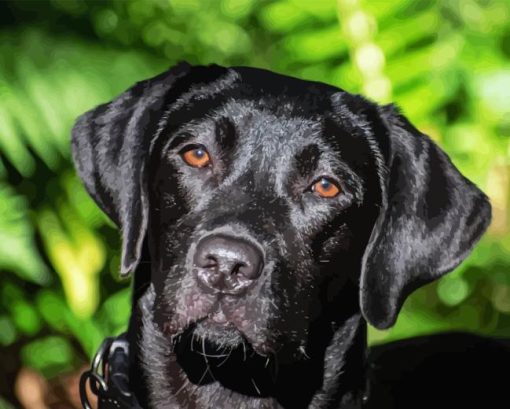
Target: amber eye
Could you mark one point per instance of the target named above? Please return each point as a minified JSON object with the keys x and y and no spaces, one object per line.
{"x":195,"y":156}
{"x":325,"y":188}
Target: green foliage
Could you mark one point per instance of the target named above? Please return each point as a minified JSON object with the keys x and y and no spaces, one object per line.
{"x":445,"y":63}
{"x":48,"y":354}
{"x":18,"y":251}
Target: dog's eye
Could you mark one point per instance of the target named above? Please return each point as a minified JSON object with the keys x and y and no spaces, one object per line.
{"x":195,"y":155}
{"x":325,"y":187}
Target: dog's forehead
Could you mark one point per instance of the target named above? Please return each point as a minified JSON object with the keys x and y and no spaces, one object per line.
{"x":270,"y":111}
{"x":271,"y":132}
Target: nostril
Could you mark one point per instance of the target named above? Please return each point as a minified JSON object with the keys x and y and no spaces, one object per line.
{"x":250,"y":271}
{"x":237,"y":269}
{"x":210,"y":262}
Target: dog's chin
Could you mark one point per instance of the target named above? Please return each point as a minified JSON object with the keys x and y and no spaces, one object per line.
{"x":209,"y":351}
{"x":221,"y":335}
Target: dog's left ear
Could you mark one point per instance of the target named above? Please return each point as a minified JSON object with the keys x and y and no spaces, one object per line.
{"x":109,"y":147}
{"x":431,"y":217}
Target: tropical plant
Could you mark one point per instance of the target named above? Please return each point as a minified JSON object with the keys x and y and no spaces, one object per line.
{"x":447,"y":64}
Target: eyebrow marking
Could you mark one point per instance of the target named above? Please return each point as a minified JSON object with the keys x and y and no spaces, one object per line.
{"x":226,"y":134}
{"x":181,"y":138}
{"x":308,"y":159}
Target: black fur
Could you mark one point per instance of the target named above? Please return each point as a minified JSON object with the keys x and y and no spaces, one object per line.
{"x":404,"y":217}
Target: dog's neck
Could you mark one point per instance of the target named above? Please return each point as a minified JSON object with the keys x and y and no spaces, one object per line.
{"x":344,"y":384}
{"x":339,"y":368}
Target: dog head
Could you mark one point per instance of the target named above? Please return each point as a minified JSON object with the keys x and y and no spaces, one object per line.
{"x":268,"y":201}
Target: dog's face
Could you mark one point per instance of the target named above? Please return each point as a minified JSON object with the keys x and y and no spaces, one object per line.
{"x":273,"y":207}
{"x":254,"y":209}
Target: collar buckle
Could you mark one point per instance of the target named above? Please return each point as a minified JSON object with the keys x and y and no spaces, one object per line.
{"x":108,"y":376}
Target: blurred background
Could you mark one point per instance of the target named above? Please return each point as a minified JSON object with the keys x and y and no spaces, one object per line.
{"x":446,"y":63}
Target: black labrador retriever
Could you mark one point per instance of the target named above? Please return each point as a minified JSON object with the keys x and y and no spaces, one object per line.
{"x":268,"y":219}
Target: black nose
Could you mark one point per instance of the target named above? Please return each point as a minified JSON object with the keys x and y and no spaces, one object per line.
{"x":227,"y":264}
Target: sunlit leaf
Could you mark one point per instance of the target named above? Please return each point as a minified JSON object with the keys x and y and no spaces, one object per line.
{"x":77,"y":256}
{"x":283,"y":16}
{"x":314,"y":46}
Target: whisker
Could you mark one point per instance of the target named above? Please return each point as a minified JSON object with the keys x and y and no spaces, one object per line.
{"x":226,"y":359}
{"x":207,"y":369}
{"x":255,"y":385}
{"x":303,"y":351}
{"x":186,"y":381}
{"x":210,"y":373}
{"x":203,"y":352}
{"x":200,"y":380}
{"x":212,"y":355}
{"x":205,"y":358}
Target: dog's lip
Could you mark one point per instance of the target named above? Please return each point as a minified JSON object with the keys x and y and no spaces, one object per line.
{"x":219,"y":317}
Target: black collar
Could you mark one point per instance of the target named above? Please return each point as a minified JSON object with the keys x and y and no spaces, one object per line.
{"x":108,"y":376}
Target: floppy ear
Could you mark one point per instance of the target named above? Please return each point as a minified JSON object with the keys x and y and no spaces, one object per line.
{"x":110,"y":145}
{"x":430,"y":219}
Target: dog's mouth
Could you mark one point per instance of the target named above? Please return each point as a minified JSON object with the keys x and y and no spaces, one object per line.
{"x":222,"y":339}
{"x":217,"y":331}
{"x":221,"y":322}
{"x":211,"y":351}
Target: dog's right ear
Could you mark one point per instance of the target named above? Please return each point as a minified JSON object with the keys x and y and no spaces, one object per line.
{"x":110,"y":145}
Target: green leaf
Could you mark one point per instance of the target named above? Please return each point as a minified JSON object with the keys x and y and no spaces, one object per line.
{"x":77,"y":256}
{"x":49,"y":355}
{"x":25,"y":317}
{"x":115,"y":311}
{"x":7,"y":331}
{"x":453,"y":290}
{"x":283,"y":16}
{"x":18,"y":252}
{"x":316,"y":45}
